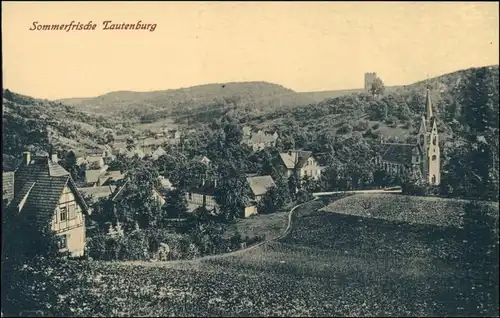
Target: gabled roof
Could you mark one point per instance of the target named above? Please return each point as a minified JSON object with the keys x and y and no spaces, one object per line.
{"x":110,"y":175}
{"x":259,"y":185}
{"x":207,"y":189}
{"x":165,"y":183}
{"x":201,"y":158}
{"x":120,"y":190}
{"x":158,"y":153}
{"x":92,"y":159}
{"x":119,"y":145}
{"x":92,"y":175}
{"x":295,"y":158}
{"x":398,"y":153}
{"x":41,"y":184}
{"x":151,"y":142}
{"x":98,"y":192}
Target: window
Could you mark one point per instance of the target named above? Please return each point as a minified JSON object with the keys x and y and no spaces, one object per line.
{"x":72,"y":211}
{"x":190,"y":196}
{"x":434,"y":140}
{"x":62,"y":241}
{"x":421,"y":139}
{"x":433,"y":179}
{"x":63,"y":214}
{"x":434,"y":157}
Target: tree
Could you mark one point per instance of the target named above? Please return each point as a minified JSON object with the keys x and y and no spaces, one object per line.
{"x":27,"y":261}
{"x":232,"y":193}
{"x":176,"y":204}
{"x":378,"y":87}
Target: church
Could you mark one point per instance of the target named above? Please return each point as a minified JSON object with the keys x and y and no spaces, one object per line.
{"x":422,"y":158}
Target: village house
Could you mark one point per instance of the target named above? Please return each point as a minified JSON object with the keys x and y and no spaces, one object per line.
{"x":118,"y":195}
{"x":260,"y":140}
{"x":93,"y":194}
{"x":158,"y":153}
{"x":302,"y":163}
{"x":204,"y":196}
{"x":92,"y":177}
{"x":135,"y":152}
{"x":202,"y":159}
{"x":149,"y":145}
{"x":166,"y":186}
{"x":110,"y":177}
{"x":259,"y":185}
{"x":421,"y":158}
{"x":119,"y":148}
{"x":98,"y":177}
{"x":42,"y":192}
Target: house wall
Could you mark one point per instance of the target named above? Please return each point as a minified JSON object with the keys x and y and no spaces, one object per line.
{"x":310,"y":169}
{"x":69,"y":224}
{"x":200,"y":199}
{"x":250,"y":210}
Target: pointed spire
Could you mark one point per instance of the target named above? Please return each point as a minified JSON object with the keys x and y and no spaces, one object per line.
{"x":428,"y":105}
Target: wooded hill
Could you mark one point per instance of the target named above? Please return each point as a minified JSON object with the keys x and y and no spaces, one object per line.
{"x":152,"y":106}
{"x":28,"y":122}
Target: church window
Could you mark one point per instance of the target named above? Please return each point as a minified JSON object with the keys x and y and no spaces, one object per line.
{"x":434,"y":140}
{"x":434,"y":157}
{"x":433,"y":179}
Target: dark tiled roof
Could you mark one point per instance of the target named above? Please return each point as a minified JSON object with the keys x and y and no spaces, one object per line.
{"x":47,"y":180}
{"x":208,"y":189}
{"x":398,"y":153}
{"x":8,"y":185}
{"x":23,"y":192}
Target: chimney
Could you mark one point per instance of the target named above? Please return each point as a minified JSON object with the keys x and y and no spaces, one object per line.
{"x":54,"y":158}
{"x":26,"y":158}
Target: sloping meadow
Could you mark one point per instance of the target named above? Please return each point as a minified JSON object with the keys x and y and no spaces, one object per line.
{"x":329,"y":264}
{"x":402,"y":208}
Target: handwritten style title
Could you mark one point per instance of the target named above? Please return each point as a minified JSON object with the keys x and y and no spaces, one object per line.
{"x":106,"y":25}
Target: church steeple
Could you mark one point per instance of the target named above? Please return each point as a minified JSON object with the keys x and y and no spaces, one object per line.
{"x":428,"y":106}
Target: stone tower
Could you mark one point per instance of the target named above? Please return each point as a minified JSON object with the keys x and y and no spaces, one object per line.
{"x":428,"y":141}
{"x":369,"y":78}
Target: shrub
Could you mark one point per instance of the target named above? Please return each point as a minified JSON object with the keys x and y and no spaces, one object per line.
{"x":361,"y":125}
{"x":345,"y":129}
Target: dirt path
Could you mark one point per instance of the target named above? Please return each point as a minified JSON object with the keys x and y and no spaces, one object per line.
{"x":219,"y":256}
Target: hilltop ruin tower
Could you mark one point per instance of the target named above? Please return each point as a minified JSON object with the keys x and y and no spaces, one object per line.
{"x":369,"y":78}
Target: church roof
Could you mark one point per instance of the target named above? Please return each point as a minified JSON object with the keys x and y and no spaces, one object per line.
{"x":398,"y":153}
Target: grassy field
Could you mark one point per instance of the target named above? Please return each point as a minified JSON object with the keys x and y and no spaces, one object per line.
{"x":267,"y":225}
{"x":329,"y":264}
{"x":418,"y":210}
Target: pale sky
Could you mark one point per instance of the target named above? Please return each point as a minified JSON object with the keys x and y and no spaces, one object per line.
{"x":305,"y":46}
